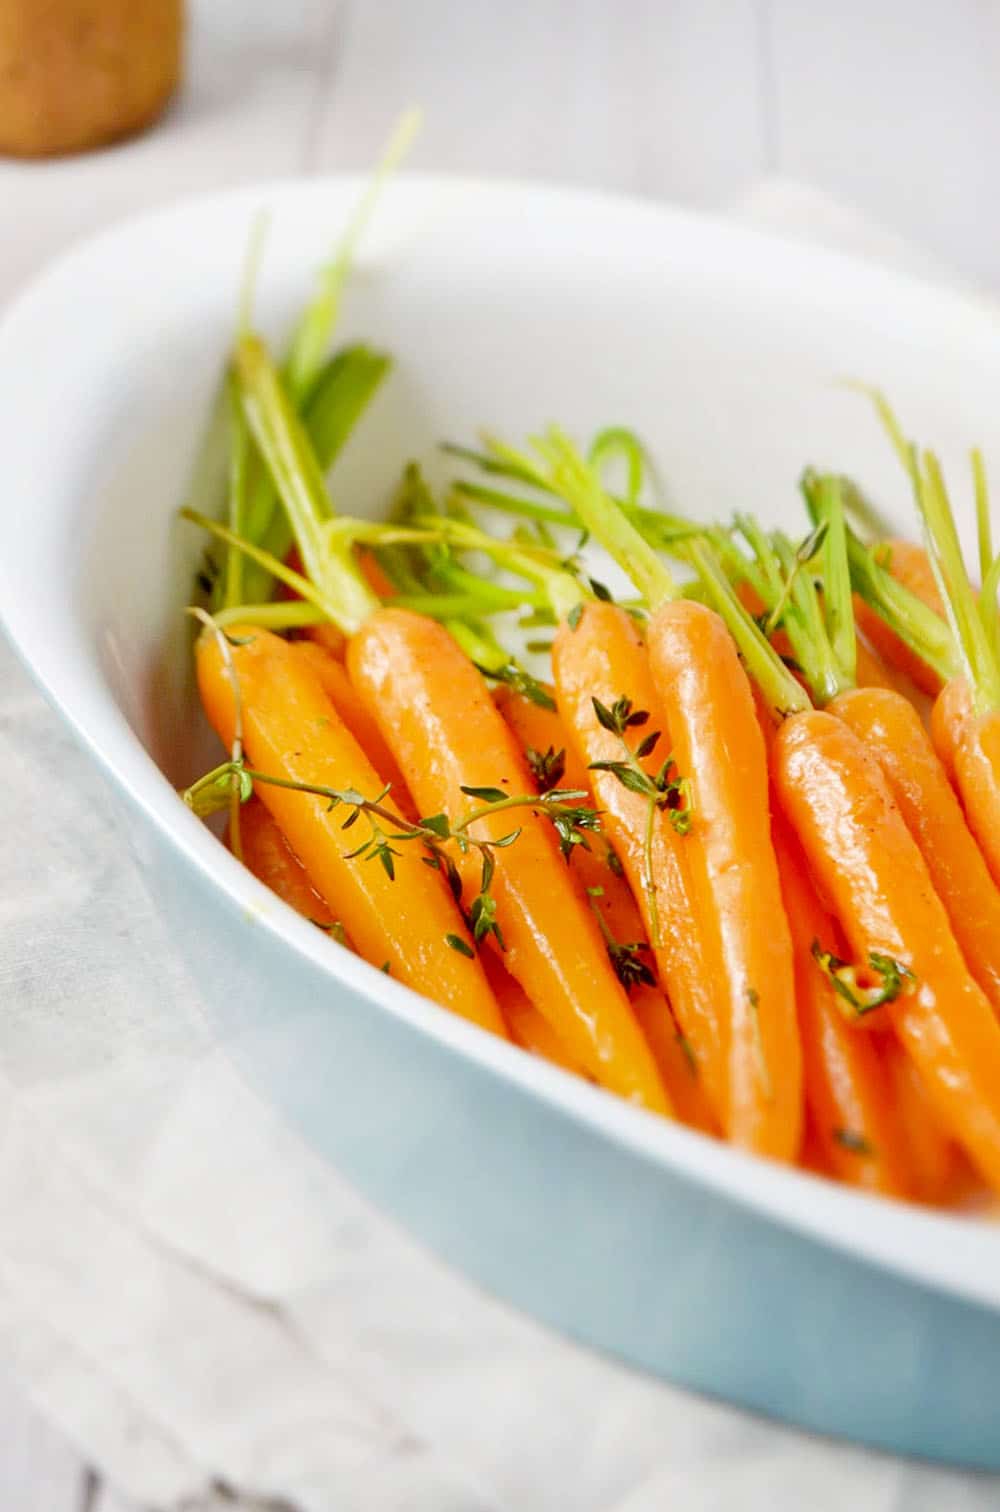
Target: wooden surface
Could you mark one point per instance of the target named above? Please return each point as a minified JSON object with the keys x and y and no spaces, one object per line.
{"x":892,"y":105}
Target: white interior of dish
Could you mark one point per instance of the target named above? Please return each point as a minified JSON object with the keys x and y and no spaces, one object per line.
{"x":503,"y":305}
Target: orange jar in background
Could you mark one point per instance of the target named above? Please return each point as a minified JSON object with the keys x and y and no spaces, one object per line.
{"x":78,"y":73}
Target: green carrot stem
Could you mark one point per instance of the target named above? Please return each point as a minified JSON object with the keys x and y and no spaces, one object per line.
{"x":945,"y":551}
{"x":313,"y":330}
{"x":311,"y":592}
{"x":804,"y":623}
{"x":298,"y":479}
{"x":576,"y":482}
{"x":780,"y":689}
{"x":535,"y":563}
{"x":925,"y":632}
{"x":838,"y":607}
{"x":239,"y":459}
{"x":280,"y":614}
{"x":984,"y":528}
{"x":618,"y":441}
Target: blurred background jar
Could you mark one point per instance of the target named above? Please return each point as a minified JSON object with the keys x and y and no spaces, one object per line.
{"x":76,"y":74}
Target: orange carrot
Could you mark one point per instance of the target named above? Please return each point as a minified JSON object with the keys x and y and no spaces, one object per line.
{"x":909,"y":565}
{"x":375,"y":576}
{"x":603,"y":657}
{"x":527,"y":1026}
{"x":969,"y":745}
{"x":892,"y":730}
{"x":933,"y":1158}
{"x":266,"y":852}
{"x":439,"y":720}
{"x":292,"y":731}
{"x":951,"y":713}
{"x":871,"y":872}
{"x":717,"y":747}
{"x":354,"y":712}
{"x":847,"y":1094}
{"x":539,"y":730}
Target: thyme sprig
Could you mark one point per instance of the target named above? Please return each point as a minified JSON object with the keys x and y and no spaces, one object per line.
{"x":625,"y":956}
{"x":894,"y":979}
{"x":664,"y":790}
{"x":387,"y":829}
{"x":548,"y":767}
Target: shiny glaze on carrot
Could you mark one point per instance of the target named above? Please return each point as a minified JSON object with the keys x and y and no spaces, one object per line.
{"x":875,"y":881}
{"x":540,"y":729}
{"x":603,"y":657}
{"x":892,"y":730}
{"x":528,"y":1028}
{"x":718,"y":748}
{"x":438,"y":718}
{"x":846,"y":1088}
{"x":354,"y":712}
{"x":291,"y":730}
{"x":971,"y":746}
{"x":266,"y":852}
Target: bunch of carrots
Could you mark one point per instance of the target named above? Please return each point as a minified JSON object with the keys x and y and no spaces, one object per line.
{"x":712,"y":850}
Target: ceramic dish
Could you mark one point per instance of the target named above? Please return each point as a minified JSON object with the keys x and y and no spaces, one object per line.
{"x":509,"y":305}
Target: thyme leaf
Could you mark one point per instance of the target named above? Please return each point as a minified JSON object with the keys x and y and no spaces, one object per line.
{"x":894,"y":977}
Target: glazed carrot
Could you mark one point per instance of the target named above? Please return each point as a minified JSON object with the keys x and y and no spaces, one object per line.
{"x":969,"y":746}
{"x":438,"y":718}
{"x":951,"y":714}
{"x":890,"y":727}
{"x":328,"y":636}
{"x":603,"y":657}
{"x":266,"y":852}
{"x":909,"y":564}
{"x":846,"y":1089}
{"x":527,"y":1026}
{"x":291,"y":731}
{"x":871,"y":872}
{"x":717,"y":746}
{"x":539,"y":729}
{"x":354,"y":712}
{"x":375,"y":576}
{"x":967,"y":723}
{"x":933,"y":1158}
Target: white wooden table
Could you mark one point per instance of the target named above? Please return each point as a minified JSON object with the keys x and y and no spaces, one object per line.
{"x":891,"y":105}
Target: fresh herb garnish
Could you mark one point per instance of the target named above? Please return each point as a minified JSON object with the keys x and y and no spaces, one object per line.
{"x":664,"y":790}
{"x":894,"y":979}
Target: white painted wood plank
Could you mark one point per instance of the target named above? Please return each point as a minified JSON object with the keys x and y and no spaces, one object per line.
{"x":39,"y":1472}
{"x":894,"y":106}
{"x":649,"y":97}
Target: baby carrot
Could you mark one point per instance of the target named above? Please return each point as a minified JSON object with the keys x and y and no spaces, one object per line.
{"x":438,"y":718}
{"x":266,"y":852}
{"x":717,"y":747}
{"x":527,"y":1026}
{"x":892,"y":730}
{"x":933,"y":1158}
{"x":292,"y":731}
{"x":870,"y":870}
{"x":602,"y":657}
{"x":354,"y":712}
{"x":971,"y":703}
{"x":540,"y":730}
{"x":846,"y":1089}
